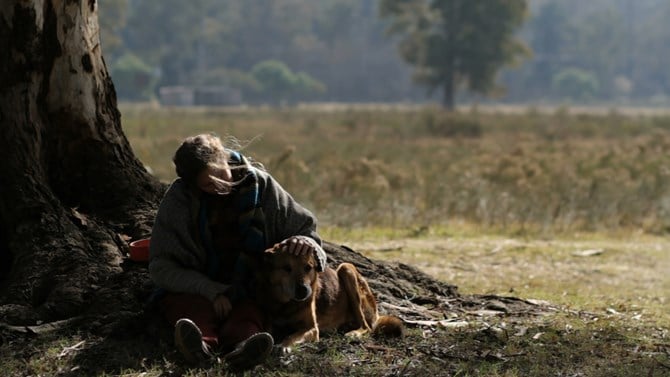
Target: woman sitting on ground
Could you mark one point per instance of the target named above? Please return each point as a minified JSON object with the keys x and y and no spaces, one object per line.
{"x":216,"y":218}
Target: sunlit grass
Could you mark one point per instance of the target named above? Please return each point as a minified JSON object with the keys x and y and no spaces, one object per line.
{"x":624,"y":278}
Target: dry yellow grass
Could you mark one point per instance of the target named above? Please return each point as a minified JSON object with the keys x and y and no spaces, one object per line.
{"x":521,"y":172}
{"x":624,"y":278}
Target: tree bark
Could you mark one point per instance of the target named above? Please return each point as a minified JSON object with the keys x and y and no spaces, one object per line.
{"x":449,"y":84}
{"x":71,"y":185}
{"x":448,"y":101}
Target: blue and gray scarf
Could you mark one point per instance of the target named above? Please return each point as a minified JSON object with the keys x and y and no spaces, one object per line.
{"x":251,"y":222}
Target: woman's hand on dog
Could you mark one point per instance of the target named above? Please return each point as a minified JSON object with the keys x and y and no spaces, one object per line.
{"x":297,"y":245}
{"x":222,"y":306}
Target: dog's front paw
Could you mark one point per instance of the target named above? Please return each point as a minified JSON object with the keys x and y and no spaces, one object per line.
{"x":280,"y":350}
{"x":356,"y":334}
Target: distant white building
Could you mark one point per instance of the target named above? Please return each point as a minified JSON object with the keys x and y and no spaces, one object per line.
{"x":199,"y":96}
{"x":176,"y":96}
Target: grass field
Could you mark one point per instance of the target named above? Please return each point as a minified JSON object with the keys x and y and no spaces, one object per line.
{"x":523,"y":172}
{"x":565,"y":206}
{"x":568,"y":207}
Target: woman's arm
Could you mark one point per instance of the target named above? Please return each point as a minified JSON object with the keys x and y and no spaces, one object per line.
{"x":287,"y":218}
{"x":177,"y":261}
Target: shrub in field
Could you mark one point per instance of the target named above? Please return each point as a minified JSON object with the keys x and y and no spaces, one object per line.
{"x":448,"y":124}
{"x":575,"y":83}
{"x":135,"y":79}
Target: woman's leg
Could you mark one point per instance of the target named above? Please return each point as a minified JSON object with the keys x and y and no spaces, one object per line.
{"x":198,"y":309}
{"x":243,"y":339}
{"x":245,"y":320}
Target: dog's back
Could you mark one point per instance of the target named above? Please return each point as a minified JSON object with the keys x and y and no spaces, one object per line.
{"x":346,"y":303}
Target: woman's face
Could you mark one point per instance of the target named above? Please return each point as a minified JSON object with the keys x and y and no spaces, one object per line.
{"x":214,"y":179}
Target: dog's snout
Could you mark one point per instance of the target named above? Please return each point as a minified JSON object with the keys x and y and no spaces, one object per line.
{"x":302,"y":292}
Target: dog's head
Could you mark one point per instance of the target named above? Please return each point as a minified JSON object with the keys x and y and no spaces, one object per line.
{"x":290,"y":277}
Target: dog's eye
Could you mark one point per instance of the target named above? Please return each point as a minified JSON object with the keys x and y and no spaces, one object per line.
{"x":308,"y":268}
{"x":287,"y":268}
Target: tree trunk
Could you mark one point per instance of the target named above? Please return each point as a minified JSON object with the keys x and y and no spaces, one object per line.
{"x":448,"y":101}
{"x":71,"y":184}
{"x":449,"y":85}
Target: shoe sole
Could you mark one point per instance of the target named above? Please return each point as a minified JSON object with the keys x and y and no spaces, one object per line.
{"x":254,"y":351}
{"x":188,"y":340}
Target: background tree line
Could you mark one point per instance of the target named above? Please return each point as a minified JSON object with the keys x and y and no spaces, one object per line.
{"x":346,"y":51}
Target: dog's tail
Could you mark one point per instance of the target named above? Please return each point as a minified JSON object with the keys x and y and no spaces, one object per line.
{"x":388,"y":326}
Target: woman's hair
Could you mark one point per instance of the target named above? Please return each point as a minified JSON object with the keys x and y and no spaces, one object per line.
{"x":196,"y":153}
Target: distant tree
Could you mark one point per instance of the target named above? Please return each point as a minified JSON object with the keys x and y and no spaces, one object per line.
{"x":305,"y":84}
{"x":550,"y":33}
{"x":247,"y":85}
{"x":264,"y":30}
{"x":575,"y":83}
{"x":339,"y":42}
{"x":135,"y":79}
{"x":182,"y":39}
{"x":649,"y":73}
{"x":454,"y":43}
{"x":113,"y":17}
{"x":598,"y":45}
{"x":279,"y":82}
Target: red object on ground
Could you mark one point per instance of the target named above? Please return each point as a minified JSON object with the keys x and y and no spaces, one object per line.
{"x":139,"y":250}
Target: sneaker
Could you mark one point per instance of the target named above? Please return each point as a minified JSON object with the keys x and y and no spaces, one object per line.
{"x":250,"y":352}
{"x":188,"y":340}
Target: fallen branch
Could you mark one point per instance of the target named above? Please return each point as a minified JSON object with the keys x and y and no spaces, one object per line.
{"x":67,"y":350}
{"x":444,"y":323}
{"x":413,"y":309}
{"x":41,"y":329}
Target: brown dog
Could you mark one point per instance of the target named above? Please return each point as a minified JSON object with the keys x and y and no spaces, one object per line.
{"x":300,"y":302}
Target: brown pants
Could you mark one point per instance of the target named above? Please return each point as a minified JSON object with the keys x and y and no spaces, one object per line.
{"x":243,"y":321}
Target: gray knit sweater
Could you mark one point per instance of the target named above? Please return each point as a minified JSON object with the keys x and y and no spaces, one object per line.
{"x":178,"y":260}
